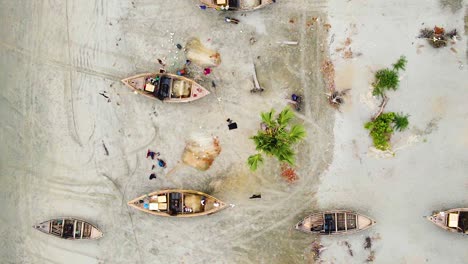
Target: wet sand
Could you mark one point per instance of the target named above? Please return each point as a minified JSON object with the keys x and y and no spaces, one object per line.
{"x":428,"y":172}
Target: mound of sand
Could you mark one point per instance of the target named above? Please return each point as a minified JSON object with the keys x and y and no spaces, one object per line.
{"x":201,"y":55}
{"x":201,"y":151}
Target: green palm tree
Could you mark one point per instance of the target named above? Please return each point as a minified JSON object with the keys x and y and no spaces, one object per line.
{"x":277,"y":138}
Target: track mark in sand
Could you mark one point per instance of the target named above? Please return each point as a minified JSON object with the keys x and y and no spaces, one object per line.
{"x":60,"y":65}
{"x":128,"y":213}
{"x":74,"y":134}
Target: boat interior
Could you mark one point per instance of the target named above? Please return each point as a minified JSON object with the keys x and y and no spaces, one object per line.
{"x":162,"y":87}
{"x":238,"y":4}
{"x":458,"y":221}
{"x":330,"y":222}
{"x":68,"y":228}
{"x":177,"y":203}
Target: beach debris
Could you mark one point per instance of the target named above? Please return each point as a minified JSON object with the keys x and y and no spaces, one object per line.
{"x":179,"y":46}
{"x":437,"y":37}
{"x":337,"y":97}
{"x":231,"y":20}
{"x":368,"y":243}
{"x":161,"y":62}
{"x":350,"y":251}
{"x":317,"y":249}
{"x":371,"y":256}
{"x":201,"y":151}
{"x":252,"y":40}
{"x":288,"y":42}
{"x":288,"y":173}
{"x":106,"y":151}
{"x":199,"y":54}
{"x":328,"y":72}
{"x":104,"y":94}
{"x":257,"y":87}
{"x":231,"y":124}
{"x":152,"y":176}
{"x":256,"y":196}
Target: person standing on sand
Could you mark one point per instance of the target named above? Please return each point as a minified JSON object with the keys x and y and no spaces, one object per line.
{"x":161,"y":163}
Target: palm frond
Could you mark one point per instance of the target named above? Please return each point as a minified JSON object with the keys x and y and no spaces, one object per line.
{"x":255,"y":160}
{"x":297,"y":133}
{"x":400,"y":64}
{"x":267,"y":118}
{"x":285,"y":116}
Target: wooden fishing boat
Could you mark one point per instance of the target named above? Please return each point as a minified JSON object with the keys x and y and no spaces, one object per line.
{"x":178,"y":203}
{"x":166,"y":87}
{"x":69,"y":228}
{"x":237,"y":5}
{"x":337,"y":222}
{"x":453,"y":220}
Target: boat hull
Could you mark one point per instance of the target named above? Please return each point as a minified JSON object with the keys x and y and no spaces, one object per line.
{"x":177,"y":203}
{"x":335,"y":222}
{"x":452,"y":220}
{"x":179,"y":89}
{"x":69,"y":228}
{"x":242,"y":5}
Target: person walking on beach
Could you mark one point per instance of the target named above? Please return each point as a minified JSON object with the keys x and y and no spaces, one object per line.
{"x":151,"y":154}
{"x":161,"y":163}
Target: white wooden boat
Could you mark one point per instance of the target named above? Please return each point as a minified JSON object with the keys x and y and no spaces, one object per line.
{"x":336,"y":222}
{"x":69,"y":228}
{"x":453,"y":220}
{"x":166,"y":87}
{"x":237,"y":5}
{"x":177,"y":203}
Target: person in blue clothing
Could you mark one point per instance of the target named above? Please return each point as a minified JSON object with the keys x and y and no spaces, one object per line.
{"x":161,"y":163}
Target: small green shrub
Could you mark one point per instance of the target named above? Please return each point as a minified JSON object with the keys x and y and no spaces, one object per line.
{"x":387,"y":79}
{"x":381,"y":130}
{"x":400,"y":122}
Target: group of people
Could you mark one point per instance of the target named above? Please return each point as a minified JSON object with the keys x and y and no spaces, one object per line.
{"x":161,"y":163}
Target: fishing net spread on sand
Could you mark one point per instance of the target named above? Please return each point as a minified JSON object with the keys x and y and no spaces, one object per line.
{"x":199,"y":54}
{"x":200,"y":151}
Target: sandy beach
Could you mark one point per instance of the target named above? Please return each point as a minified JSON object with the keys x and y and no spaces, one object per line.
{"x":74,"y":138}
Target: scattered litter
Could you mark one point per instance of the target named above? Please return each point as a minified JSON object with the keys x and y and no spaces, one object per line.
{"x":206,"y":71}
{"x":317,"y":249}
{"x":106,"y":151}
{"x":256,"y":196}
{"x":437,"y":37}
{"x":161,"y":62}
{"x":350,"y":251}
{"x":231,"y":124}
{"x":203,"y":7}
{"x":288,"y":173}
{"x":152,"y":176}
{"x":179,"y":46}
{"x":288,"y":42}
{"x":104,"y":94}
{"x":231,"y":20}
{"x":371,"y":256}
